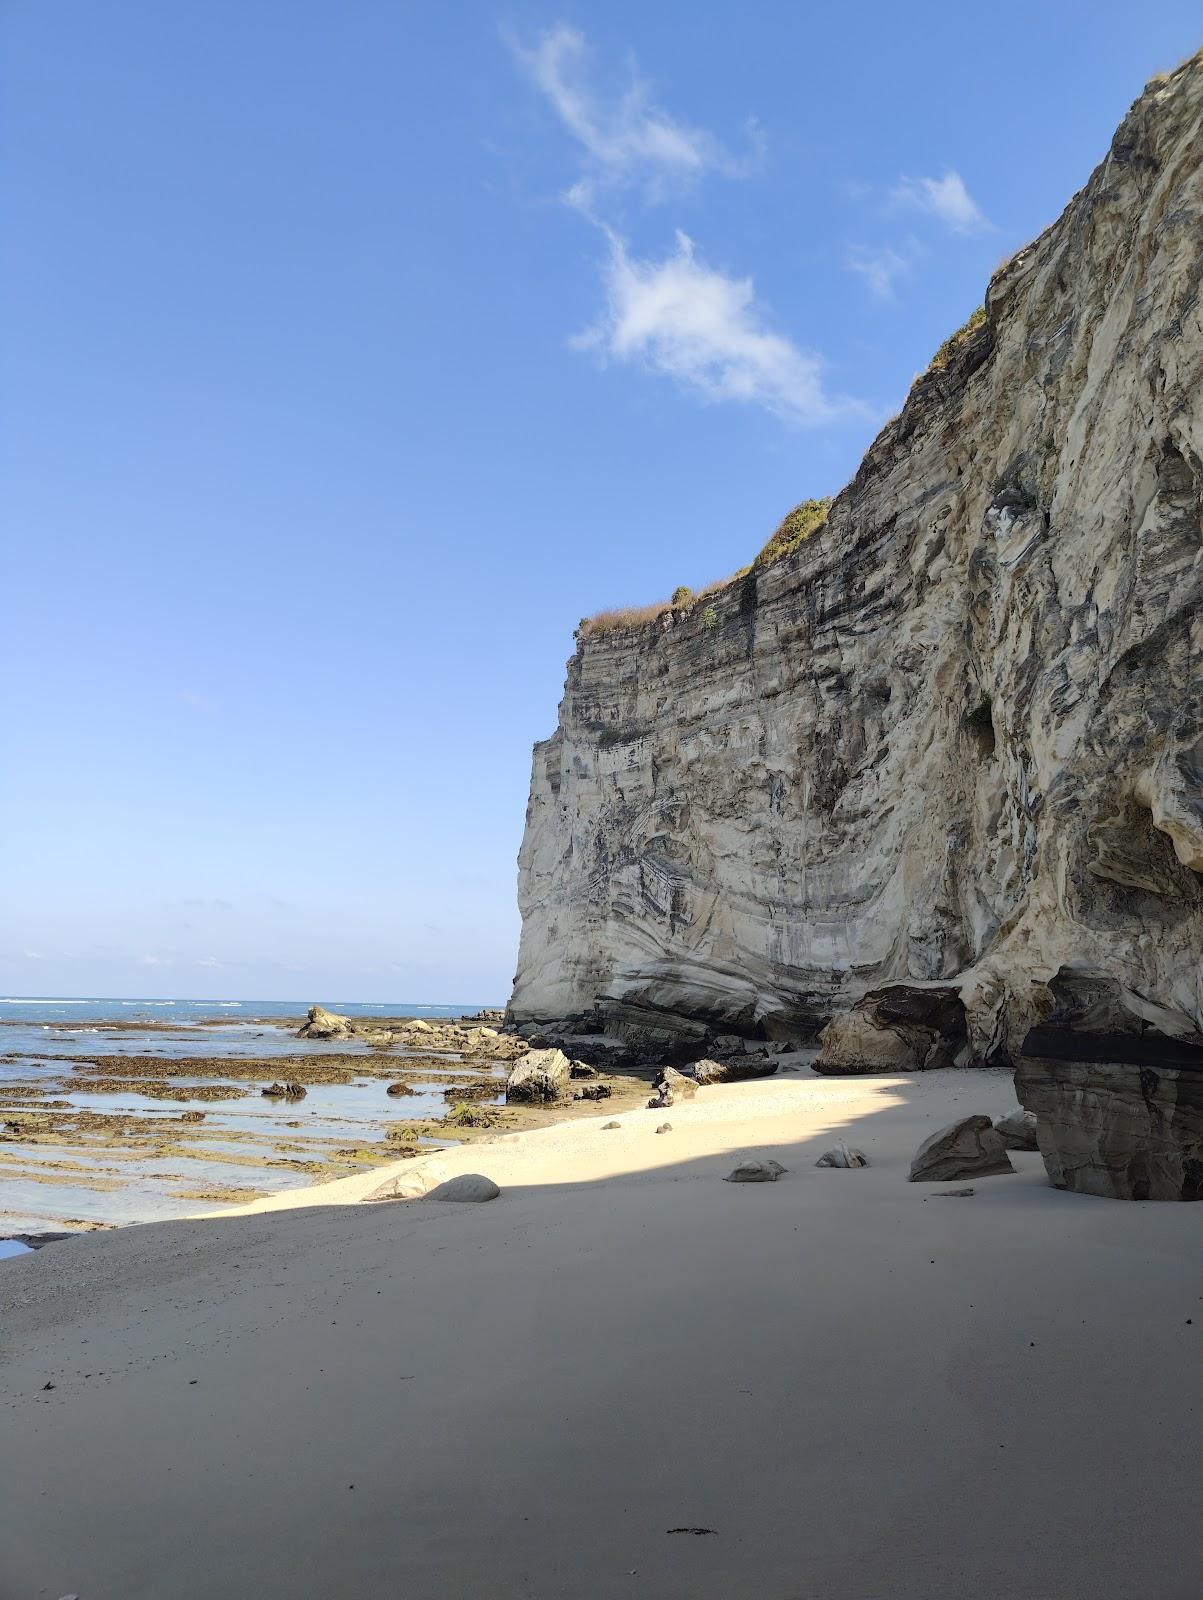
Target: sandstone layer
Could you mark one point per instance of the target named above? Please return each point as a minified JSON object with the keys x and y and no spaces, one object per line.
{"x":955,"y":738}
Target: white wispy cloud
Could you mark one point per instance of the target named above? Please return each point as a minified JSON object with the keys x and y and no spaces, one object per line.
{"x":880,"y":268}
{"x":625,"y":139}
{"x":674,"y":316}
{"x":687,"y":321}
{"x":947,"y":199}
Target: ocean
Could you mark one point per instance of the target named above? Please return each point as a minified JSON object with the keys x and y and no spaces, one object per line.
{"x":54,"y":1009}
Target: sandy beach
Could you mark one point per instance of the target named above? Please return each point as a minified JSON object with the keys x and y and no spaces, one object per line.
{"x":856,"y":1387}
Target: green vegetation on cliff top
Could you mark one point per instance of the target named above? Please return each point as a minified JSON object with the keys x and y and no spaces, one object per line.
{"x":795,"y":528}
{"x":954,"y":341}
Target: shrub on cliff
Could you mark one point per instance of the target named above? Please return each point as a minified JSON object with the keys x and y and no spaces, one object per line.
{"x":796,"y":527}
{"x":954,"y":341}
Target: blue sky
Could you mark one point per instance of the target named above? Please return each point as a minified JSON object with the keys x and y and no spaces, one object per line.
{"x":355,"y":350}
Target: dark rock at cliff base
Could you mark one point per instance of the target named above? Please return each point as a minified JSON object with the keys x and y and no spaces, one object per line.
{"x":737,"y":1071}
{"x":654,"y":1033}
{"x":855,"y":1043}
{"x":670,"y":1086}
{"x":902,"y":1028}
{"x":322,"y":1024}
{"x":968,"y":1148}
{"x":1017,"y":1131}
{"x":539,"y":1075}
{"x":1117,"y":1115}
{"x":594,"y":1091}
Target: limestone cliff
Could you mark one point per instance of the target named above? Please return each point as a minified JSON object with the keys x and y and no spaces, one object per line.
{"x":957,"y":735}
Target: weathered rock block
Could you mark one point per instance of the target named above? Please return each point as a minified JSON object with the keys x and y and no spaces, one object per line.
{"x":322,"y":1024}
{"x":968,"y":1148}
{"x":540,"y":1075}
{"x":854,"y":1043}
{"x":1125,"y":1129}
{"x":901,"y":1028}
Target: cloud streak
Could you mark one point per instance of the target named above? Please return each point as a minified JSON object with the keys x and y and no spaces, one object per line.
{"x":681,"y":319}
{"x":628,"y":140}
{"x":673,"y":316}
{"x":946,"y":199}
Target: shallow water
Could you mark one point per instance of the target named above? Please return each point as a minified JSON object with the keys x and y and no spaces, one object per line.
{"x":233,"y":1039}
{"x":141,"y":1173}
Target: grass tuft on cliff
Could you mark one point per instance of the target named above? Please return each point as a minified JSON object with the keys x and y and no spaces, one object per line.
{"x":795,"y":528}
{"x":954,"y":342}
{"x":622,"y":617}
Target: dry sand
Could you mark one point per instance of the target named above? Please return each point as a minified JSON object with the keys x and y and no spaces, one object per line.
{"x":863,"y":1390}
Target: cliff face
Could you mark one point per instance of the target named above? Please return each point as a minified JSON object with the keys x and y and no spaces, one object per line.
{"x":959,"y":734}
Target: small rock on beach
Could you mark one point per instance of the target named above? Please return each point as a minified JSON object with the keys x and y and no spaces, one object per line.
{"x":842,"y":1155}
{"x":967,"y":1148}
{"x":755,"y":1172}
{"x":468,"y":1186}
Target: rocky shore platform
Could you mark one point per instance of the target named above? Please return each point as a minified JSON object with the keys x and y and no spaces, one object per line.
{"x":622,"y":1375}
{"x":137,"y":1121}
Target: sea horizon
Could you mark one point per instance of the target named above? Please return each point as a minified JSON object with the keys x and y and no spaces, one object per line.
{"x":117,"y":1008}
